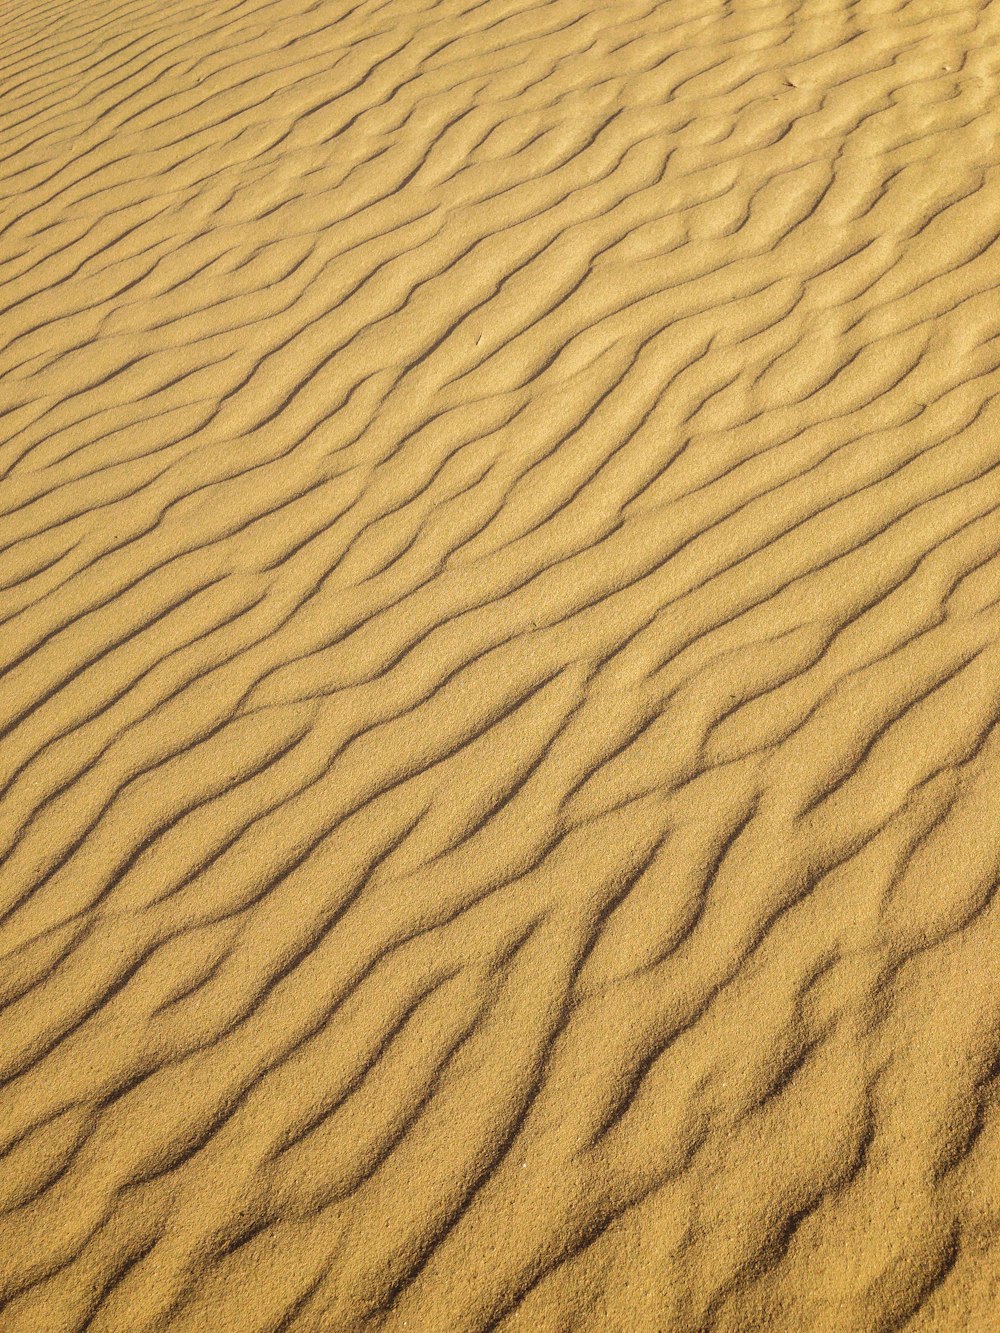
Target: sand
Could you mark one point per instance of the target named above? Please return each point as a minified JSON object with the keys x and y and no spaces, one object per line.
{"x":499,"y":666}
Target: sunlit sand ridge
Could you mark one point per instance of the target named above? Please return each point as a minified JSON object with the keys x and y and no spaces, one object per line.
{"x":499,"y":665}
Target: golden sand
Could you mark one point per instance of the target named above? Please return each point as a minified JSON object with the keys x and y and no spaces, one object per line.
{"x":499,"y":666}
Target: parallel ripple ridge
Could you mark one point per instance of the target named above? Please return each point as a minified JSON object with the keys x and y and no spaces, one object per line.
{"x":499,"y":666}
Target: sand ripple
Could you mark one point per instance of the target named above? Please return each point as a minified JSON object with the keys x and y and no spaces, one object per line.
{"x":500,"y":665}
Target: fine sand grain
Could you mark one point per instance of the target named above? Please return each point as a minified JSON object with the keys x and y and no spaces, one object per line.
{"x":499,"y":666}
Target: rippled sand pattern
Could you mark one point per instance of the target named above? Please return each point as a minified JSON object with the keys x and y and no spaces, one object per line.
{"x":500,"y":665}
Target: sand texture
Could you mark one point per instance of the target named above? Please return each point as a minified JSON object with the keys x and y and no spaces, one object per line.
{"x":499,"y":666}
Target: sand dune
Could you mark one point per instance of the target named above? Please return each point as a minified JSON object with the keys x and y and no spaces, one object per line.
{"x":500,"y":665}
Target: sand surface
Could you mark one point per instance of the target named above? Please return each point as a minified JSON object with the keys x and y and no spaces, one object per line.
{"x":499,"y":665}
